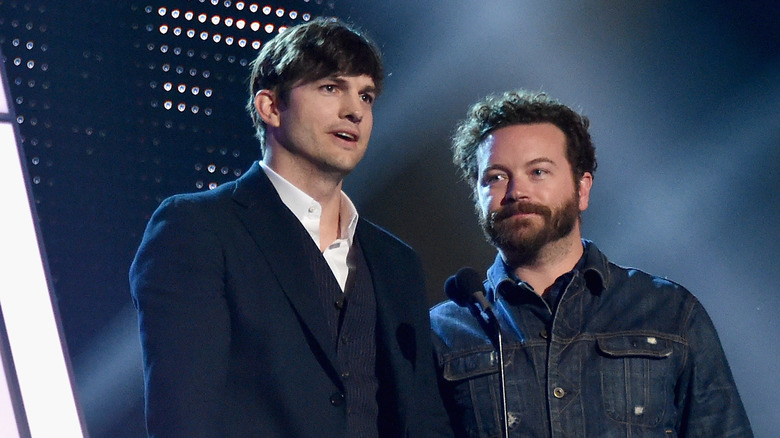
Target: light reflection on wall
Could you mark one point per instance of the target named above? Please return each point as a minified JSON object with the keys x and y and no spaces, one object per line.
{"x":33,"y":361}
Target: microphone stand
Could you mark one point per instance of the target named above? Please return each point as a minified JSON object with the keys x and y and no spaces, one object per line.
{"x":493,"y":322}
{"x":466,"y":289}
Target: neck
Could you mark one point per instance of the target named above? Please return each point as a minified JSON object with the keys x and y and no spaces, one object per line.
{"x":312,"y":180}
{"x":323,"y":188}
{"x":552,"y":261}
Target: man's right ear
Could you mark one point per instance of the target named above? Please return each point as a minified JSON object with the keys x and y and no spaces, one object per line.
{"x":267,"y":107}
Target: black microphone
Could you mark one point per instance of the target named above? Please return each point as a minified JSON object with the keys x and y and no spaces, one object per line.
{"x":465,"y":287}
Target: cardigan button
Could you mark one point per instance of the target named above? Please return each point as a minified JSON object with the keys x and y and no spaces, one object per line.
{"x":337,"y":399}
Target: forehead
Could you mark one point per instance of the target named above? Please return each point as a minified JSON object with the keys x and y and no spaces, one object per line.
{"x":522,"y":143}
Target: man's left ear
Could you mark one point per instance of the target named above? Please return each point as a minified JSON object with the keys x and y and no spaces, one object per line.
{"x":267,"y":106}
{"x":586,"y":182}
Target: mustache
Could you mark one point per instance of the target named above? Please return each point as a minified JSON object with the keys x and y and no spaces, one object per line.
{"x":514,"y":208}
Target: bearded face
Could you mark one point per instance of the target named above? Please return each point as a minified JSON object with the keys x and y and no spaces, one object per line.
{"x":524,"y":228}
{"x":527,"y":196}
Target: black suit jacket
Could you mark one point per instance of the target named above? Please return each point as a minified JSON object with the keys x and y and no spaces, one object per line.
{"x":234,"y":340}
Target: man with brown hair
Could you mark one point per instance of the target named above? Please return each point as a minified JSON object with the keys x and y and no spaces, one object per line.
{"x":590,"y":349}
{"x":267,"y":308}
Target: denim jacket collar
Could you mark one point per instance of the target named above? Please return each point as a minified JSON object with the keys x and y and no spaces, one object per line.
{"x":594,"y":271}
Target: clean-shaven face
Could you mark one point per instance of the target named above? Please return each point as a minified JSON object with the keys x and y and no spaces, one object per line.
{"x":326,"y":124}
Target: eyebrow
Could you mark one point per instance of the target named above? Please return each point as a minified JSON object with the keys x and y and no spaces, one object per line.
{"x":341,"y":81}
{"x":492,"y":168}
{"x":369,"y":89}
{"x":541,"y":160}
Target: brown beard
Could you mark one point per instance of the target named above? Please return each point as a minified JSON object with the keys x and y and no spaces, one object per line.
{"x":519,"y":237}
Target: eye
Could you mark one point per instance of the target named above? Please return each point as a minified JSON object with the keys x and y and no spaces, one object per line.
{"x":494,"y":178}
{"x":329,"y":88}
{"x":368,"y":98}
{"x":539,"y":173}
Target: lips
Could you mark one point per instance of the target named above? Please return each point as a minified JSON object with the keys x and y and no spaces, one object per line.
{"x":346,"y":135}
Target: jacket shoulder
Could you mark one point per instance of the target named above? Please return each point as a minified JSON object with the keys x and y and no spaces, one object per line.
{"x":449,"y":318}
{"x":371,"y":232}
{"x":638,"y":279}
{"x":219,"y":194}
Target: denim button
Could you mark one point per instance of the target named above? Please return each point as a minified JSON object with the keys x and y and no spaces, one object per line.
{"x":544,"y":334}
{"x":337,"y":399}
{"x":558,"y":392}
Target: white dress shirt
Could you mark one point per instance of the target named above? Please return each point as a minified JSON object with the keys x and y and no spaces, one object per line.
{"x":309,"y":211}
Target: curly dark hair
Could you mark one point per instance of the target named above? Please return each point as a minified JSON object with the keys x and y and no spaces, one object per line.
{"x":309,"y":52}
{"x":521,"y":107}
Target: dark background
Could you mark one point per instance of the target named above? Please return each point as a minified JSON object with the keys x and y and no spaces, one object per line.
{"x":683,"y":97}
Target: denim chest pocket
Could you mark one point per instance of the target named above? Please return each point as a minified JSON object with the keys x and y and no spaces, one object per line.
{"x":472,"y":365}
{"x":637,"y":377}
{"x":473,"y":381}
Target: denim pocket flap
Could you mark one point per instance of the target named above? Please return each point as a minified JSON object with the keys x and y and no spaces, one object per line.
{"x":634,"y":346}
{"x":471,"y":365}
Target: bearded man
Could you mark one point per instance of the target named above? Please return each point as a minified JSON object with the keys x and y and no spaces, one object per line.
{"x":589,"y":348}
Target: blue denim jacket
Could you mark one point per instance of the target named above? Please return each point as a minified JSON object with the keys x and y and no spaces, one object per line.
{"x":625,"y":354}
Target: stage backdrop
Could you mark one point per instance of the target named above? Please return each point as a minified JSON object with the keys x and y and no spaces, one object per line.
{"x":121,"y":104}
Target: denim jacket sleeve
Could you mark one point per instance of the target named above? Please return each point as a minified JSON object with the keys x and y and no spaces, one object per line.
{"x":712,"y":406}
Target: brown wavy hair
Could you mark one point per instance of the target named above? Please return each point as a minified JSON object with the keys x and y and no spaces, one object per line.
{"x":521,"y":107}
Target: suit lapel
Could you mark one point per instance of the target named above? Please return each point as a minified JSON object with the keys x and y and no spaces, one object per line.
{"x":273,"y":228}
{"x":396,"y":344}
{"x":383,"y":276}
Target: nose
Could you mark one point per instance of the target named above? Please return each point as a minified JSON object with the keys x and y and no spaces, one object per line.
{"x":515,"y":191}
{"x":352,"y":107}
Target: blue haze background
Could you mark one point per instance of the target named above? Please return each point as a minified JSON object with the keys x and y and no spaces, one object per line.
{"x":684,"y":103}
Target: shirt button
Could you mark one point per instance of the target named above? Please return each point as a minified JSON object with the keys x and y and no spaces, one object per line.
{"x":544,"y":334}
{"x":337,"y":399}
{"x":312,"y":209}
{"x":345,"y":374}
{"x":558,"y":392}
